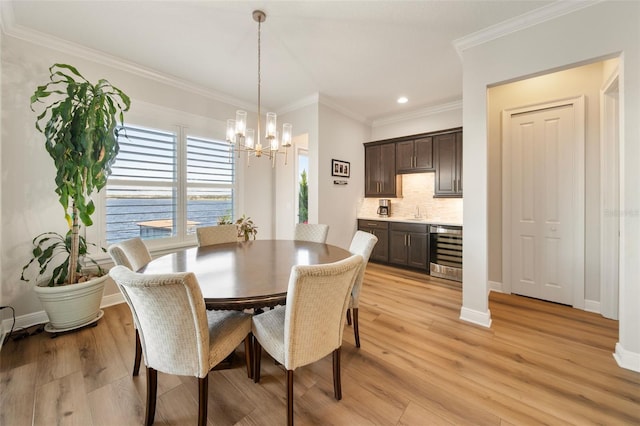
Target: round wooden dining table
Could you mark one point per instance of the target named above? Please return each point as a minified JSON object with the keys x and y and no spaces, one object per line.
{"x":245,"y":275}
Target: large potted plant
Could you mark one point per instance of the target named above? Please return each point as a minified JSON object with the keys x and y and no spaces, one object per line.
{"x":80,"y":122}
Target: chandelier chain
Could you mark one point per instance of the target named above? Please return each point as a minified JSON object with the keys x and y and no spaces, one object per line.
{"x":259,"y":78}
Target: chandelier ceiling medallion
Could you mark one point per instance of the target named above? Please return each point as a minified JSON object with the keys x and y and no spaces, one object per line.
{"x":246,"y":140}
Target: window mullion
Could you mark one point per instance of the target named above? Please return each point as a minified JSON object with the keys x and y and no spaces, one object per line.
{"x":182,"y":184}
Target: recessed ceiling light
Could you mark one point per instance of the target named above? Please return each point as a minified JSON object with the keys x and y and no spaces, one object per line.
{"x":403,"y":100}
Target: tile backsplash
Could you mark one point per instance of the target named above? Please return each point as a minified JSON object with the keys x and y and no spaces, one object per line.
{"x":417,"y":192}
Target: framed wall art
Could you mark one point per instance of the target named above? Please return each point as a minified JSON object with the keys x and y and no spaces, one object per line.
{"x":340,"y":168}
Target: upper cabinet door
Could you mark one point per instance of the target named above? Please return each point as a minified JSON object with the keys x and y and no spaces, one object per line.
{"x":388,"y":179}
{"x":447,"y":150}
{"x":371,"y":170}
{"x":380,"y":171}
{"x":405,"y":155}
{"x":414,"y":156}
{"x":423,"y":154}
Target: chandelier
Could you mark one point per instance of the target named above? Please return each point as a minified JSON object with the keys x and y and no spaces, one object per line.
{"x":244,"y":139}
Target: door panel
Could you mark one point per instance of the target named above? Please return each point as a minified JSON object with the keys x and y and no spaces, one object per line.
{"x":398,"y":247}
{"x":418,"y":250}
{"x":543,"y":203}
{"x":424,"y":153}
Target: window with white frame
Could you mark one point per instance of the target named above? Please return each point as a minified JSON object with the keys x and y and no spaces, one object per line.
{"x":165,"y":184}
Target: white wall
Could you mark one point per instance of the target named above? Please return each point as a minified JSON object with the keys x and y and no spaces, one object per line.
{"x":585,"y":80}
{"x":556,"y":44}
{"x":340,"y":138}
{"x":428,"y":120}
{"x":2,"y":313}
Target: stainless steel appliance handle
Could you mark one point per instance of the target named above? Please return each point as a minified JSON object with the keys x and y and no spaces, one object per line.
{"x":442,"y":230}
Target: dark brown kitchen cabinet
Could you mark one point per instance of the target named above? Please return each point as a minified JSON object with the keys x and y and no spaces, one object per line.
{"x":380,"y":171}
{"x":380,"y":229}
{"x":408,"y":245}
{"x":447,"y":157}
{"x":414,"y":156}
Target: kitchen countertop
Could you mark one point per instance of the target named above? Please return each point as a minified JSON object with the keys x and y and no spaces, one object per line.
{"x":426,"y":221}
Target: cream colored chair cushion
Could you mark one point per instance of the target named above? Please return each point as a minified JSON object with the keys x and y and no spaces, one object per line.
{"x":178,"y":335}
{"x":362,"y":244}
{"x":311,"y":324}
{"x":316,"y":233}
{"x":131,"y":253}
{"x":219,"y":234}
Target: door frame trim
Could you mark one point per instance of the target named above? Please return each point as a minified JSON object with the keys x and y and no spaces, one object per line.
{"x":610,"y":206}
{"x":578,"y":103}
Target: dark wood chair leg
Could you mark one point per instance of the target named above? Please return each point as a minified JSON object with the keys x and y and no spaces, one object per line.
{"x":257,"y":355}
{"x":356,"y":329}
{"x":349,"y":316}
{"x":248,"y":354}
{"x":337,"y":384}
{"x":290,"y":397}
{"x":152,"y":389}
{"x":203,"y":395}
{"x":138,"y":356}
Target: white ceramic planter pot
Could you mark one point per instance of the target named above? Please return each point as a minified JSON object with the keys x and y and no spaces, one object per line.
{"x":72,"y":306}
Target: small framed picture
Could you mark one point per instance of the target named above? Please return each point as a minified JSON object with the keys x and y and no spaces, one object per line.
{"x":340,"y":168}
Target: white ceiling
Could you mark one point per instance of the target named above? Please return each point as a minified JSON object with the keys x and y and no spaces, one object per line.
{"x":361,"y":55}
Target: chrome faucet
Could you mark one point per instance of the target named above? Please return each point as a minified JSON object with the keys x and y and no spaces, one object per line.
{"x":417,"y":215}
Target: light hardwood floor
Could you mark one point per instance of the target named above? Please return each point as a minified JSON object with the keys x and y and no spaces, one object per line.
{"x":539,"y":363}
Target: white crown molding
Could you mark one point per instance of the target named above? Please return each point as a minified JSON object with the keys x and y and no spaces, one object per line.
{"x":328,"y":102}
{"x":418,"y":113}
{"x":301,"y":103}
{"x":318,"y":98}
{"x":9,"y":27}
{"x":529,"y":19}
{"x":7,"y":19}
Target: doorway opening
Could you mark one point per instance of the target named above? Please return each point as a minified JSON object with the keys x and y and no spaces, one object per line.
{"x":588,"y":80}
{"x":302,"y":193}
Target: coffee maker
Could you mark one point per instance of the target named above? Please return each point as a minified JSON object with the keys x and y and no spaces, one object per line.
{"x":384,"y":208}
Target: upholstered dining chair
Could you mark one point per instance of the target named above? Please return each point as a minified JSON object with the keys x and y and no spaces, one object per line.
{"x":218,"y":234}
{"x":362,"y":243}
{"x":316,"y":232}
{"x":179,"y":336}
{"x":133,"y":254}
{"x":311,"y":324}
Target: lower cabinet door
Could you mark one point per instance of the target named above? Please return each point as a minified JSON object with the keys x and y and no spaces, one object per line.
{"x":381,"y":249}
{"x":418,"y":250}
{"x":398,"y":247}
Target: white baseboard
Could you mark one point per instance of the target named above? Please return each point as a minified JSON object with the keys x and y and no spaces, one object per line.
{"x":476,"y":317}
{"x":112,"y":299}
{"x":40,"y":317}
{"x":627,"y":359}
{"x":592,"y":306}
{"x":495,"y":286}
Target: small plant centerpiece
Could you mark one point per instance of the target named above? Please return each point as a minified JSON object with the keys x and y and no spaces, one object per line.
{"x":246,"y":227}
{"x":81,"y":123}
